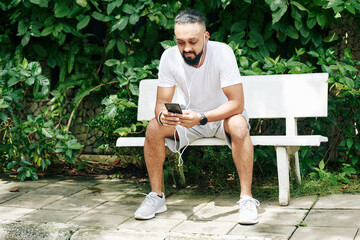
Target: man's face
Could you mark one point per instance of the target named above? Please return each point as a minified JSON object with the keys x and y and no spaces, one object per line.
{"x":190,"y":41}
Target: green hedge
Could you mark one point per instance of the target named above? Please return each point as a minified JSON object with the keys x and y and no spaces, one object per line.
{"x":103,"y":48}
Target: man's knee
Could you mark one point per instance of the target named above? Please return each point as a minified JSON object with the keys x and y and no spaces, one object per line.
{"x":156,"y":131}
{"x":237,"y":127}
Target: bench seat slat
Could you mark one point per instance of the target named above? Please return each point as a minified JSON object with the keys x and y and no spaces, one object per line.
{"x":304,"y":140}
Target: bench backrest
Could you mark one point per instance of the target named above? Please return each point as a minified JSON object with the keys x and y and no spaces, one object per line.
{"x":287,"y":96}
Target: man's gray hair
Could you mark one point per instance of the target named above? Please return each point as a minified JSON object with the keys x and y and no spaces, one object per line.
{"x":190,"y":16}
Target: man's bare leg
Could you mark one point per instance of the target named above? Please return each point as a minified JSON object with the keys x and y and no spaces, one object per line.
{"x":242,"y":151}
{"x":154,"y":151}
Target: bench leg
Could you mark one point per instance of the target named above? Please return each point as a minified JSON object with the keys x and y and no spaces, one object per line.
{"x":297,"y":168}
{"x":294,"y":162}
{"x":178,"y":171}
{"x":283,"y":175}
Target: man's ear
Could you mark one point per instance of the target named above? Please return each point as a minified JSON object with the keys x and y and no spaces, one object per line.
{"x":207,"y":36}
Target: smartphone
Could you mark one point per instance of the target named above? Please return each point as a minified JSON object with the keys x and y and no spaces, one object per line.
{"x":173,"y":107}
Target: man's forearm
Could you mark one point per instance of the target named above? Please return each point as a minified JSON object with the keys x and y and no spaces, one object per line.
{"x":224,"y":111}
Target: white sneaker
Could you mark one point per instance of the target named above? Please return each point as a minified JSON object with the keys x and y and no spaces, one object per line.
{"x":248,"y":210}
{"x":150,"y":206}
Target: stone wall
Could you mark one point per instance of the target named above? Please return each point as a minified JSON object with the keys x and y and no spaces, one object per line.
{"x":349,"y":32}
{"x":85,"y":112}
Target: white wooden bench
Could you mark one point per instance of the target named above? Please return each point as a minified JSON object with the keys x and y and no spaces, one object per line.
{"x":289,"y":96}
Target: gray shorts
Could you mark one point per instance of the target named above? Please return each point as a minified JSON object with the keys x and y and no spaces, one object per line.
{"x":188,"y":135}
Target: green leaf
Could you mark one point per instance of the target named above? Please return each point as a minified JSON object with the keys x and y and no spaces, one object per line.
{"x":292,"y":33}
{"x":331,"y":38}
{"x":47,"y":31}
{"x":30,"y":81}
{"x":37,"y":2}
{"x":347,"y":53}
{"x":82,"y":3}
{"x":129,"y":9}
{"x":123,"y":131}
{"x":110,"y":45}
{"x":313,"y":54}
{"x":357,"y":146}
{"x":321,"y":165}
{"x":120,"y":44}
{"x":25,"y":162}
{"x":120,"y":24}
{"x":83,"y":23}
{"x":134,"y":89}
{"x":349,"y":143}
{"x":110,"y":7}
{"x":238,"y":26}
{"x":277,"y":15}
{"x":349,"y":82}
{"x":110,"y":111}
{"x":316,"y":39}
{"x":168,"y":44}
{"x":75,"y":146}
{"x":22,"y":28}
{"x":275,"y":4}
{"x":134,"y":19}
{"x":350,"y":68}
{"x":25,"y":40}
{"x":3,"y":116}
{"x":256,"y":36}
{"x":98,"y":16}
{"x":61,"y":9}
{"x":321,"y":19}
{"x":12,"y":164}
{"x":34,"y":176}
{"x":299,"y":6}
{"x":46,"y":132}
{"x":112,"y":62}
{"x":311,"y":22}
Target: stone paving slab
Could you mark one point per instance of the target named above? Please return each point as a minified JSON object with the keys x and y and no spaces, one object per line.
{"x":186,"y":197}
{"x":281,"y":216}
{"x":49,"y":215}
{"x":153,"y":225}
{"x":213,"y":212}
{"x":91,"y":234}
{"x":29,"y":200}
{"x":182,"y":212}
{"x":333,"y":218}
{"x":116,"y":208}
{"x":94,"y":219}
{"x":59,"y":189}
{"x":305,"y":202}
{"x":74,"y":204}
{"x":269,"y":231}
{"x":13,"y":213}
{"x":326,"y":233}
{"x":8,"y":195}
{"x":357,"y":236}
{"x":23,"y":187}
{"x":339,"y":201}
{"x":205,"y":227}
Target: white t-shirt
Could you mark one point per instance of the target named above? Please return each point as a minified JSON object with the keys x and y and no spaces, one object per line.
{"x":202,"y":86}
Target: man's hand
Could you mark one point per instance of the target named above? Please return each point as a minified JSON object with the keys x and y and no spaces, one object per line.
{"x":169,"y":119}
{"x":188,"y":119}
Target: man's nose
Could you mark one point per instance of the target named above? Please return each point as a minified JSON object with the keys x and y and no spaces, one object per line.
{"x":187,"y":48}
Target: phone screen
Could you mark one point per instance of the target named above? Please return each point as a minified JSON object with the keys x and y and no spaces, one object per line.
{"x":173,"y":107}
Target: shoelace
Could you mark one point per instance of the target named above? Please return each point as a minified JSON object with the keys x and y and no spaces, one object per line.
{"x":148,"y":200}
{"x":248,"y":204}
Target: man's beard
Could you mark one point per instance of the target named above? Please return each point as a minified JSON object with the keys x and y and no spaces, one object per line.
{"x":192,"y":61}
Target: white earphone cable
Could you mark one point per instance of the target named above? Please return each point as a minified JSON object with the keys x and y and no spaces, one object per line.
{"x":180,"y":160}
